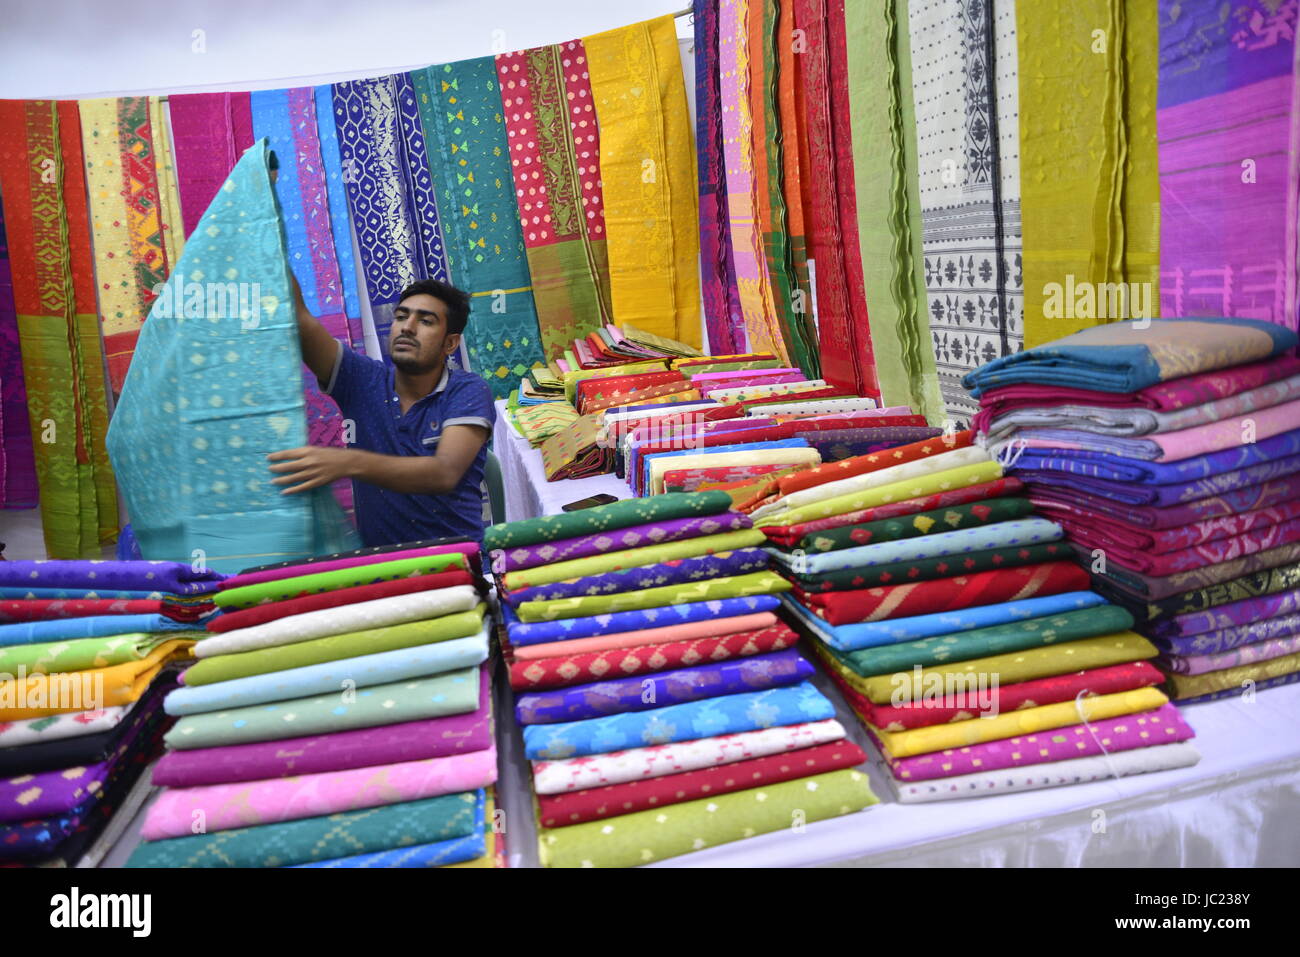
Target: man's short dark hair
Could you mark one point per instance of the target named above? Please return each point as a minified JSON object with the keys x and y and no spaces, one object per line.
{"x":456,"y":300}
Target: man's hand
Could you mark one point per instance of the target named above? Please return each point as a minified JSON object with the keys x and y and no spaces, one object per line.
{"x":311,"y":466}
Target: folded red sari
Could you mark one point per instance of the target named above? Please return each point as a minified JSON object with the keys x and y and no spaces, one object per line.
{"x":592,"y":804}
{"x":571,"y":670}
{"x":945,"y":594}
{"x":48,"y":609}
{"x":271,"y":611}
{"x":1012,"y":697}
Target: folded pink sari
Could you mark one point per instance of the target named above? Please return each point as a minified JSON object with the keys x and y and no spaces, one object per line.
{"x":1243,"y":655}
{"x":222,"y":807}
{"x":1186,"y":559}
{"x":1108,"y":532}
{"x":1249,"y":427}
{"x":1164,"y":725}
{"x":688,"y":631}
{"x":467,"y":549}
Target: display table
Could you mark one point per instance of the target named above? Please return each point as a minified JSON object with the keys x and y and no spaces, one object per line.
{"x":527,"y":492}
{"x":1236,"y":808}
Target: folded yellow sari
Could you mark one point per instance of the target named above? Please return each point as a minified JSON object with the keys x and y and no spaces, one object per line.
{"x":960,"y":734}
{"x":39,"y":696}
{"x":963,"y":477}
{"x":1119,"y":648}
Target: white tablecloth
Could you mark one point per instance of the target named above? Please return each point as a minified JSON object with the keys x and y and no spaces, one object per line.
{"x":527,"y":492}
{"x":1239,"y":807}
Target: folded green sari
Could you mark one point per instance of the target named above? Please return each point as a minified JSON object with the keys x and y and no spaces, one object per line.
{"x":83,"y":653}
{"x":371,"y":641}
{"x":454,"y":692}
{"x":647,"y":836}
{"x":605,"y":518}
{"x":933,"y":521}
{"x":283,"y":588}
{"x":985,"y":642}
{"x":318,"y":838}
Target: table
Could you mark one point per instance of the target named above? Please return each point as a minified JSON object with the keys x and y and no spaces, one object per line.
{"x":1236,"y":808}
{"x":527,"y":492}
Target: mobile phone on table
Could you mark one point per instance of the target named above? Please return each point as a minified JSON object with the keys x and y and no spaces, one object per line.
{"x":604,"y":498}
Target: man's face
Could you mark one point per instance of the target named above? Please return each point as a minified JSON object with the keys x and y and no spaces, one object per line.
{"x":418,"y":340}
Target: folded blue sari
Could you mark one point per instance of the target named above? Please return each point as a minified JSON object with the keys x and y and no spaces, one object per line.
{"x":678,"y":572}
{"x":1115,"y":468}
{"x":363,"y":671}
{"x":642,"y":693}
{"x":67,"y":629}
{"x":439,"y":854}
{"x":728,"y":714}
{"x":873,"y":634}
{"x":1175,"y":493}
{"x":169,"y":578}
{"x":1127,"y":356}
{"x":535,"y":633}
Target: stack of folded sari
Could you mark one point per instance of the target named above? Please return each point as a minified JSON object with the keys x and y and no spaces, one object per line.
{"x":1171,"y":456}
{"x":665,"y":708}
{"x":954,"y":619}
{"x":87,"y":651}
{"x":339,"y":716}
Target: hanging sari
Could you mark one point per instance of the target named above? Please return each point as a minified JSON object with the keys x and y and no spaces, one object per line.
{"x":1229,"y":125}
{"x":17,"y":467}
{"x":848,"y":359}
{"x":964,"y":86}
{"x":382,"y":154}
{"x":554,"y":148}
{"x":460,"y":105}
{"x":1090,"y":191}
{"x":648,"y":175}
{"x":42,"y":178}
{"x":723,"y":317}
{"x":762,"y":328}
{"x":211,"y":131}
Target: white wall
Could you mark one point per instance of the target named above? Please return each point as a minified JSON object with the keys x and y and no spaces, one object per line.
{"x":85,"y":48}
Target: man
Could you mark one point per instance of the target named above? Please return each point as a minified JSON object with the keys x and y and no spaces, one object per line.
{"x":421,"y":427}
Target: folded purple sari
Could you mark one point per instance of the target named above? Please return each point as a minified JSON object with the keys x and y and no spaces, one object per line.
{"x":837,"y":444}
{"x":1243,"y":655}
{"x":1096,"y":531}
{"x":1124,"y":491}
{"x":173,"y":578}
{"x":1152,"y":588}
{"x":1115,"y":468}
{"x":1245,"y":611}
{"x":680,"y":571}
{"x":603,"y":698}
{"x":1140,"y":559}
{"x":653,"y":533}
{"x":361,"y":748}
{"x":1268,"y":494}
{"x":1224,"y":639}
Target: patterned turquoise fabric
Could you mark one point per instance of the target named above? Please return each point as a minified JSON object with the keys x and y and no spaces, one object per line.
{"x":216,"y":388}
{"x":439,"y":854}
{"x":460,"y":106}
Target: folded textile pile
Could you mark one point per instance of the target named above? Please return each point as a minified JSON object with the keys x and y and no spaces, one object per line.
{"x":1176,"y":476}
{"x":87,"y":651}
{"x":954,"y":621}
{"x":664,"y":707}
{"x":339,"y":715}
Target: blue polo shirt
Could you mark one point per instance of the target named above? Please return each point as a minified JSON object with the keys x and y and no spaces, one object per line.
{"x":364,"y":390}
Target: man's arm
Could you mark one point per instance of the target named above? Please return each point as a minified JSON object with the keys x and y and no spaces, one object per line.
{"x":312,"y":466}
{"x":320,"y":350}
